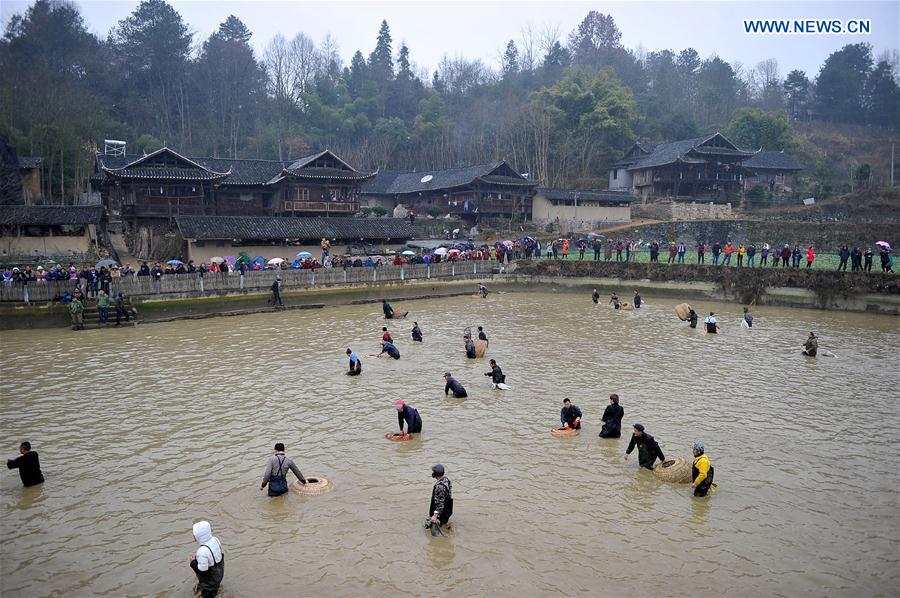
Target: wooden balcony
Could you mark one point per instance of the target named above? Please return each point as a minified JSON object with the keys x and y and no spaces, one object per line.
{"x":484,"y":206}
{"x":325,"y":207}
{"x":170,"y":209}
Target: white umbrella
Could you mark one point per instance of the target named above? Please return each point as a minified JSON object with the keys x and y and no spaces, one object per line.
{"x":275,"y":261}
{"x":408,"y":252}
{"x":440,"y":251}
{"x":217,"y":260}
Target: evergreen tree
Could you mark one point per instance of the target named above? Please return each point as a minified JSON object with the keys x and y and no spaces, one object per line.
{"x":510,"y":60}
{"x":797,"y":90}
{"x":841,"y":84}
{"x":883,"y":97}
{"x":381,"y":61}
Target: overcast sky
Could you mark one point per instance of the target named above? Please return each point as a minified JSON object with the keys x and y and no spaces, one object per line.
{"x":481,"y":29}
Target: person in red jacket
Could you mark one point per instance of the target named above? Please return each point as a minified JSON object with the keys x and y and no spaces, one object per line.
{"x":810,"y":256}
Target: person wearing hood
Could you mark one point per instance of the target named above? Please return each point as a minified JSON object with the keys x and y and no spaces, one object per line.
{"x":496,"y":374}
{"x":702,"y":472}
{"x":208,"y":562}
{"x":811,"y":347}
{"x":441,"y":507}
{"x":416,"y":333}
{"x":410,"y":416}
{"x":454,"y":386}
{"x":470,"y":348}
{"x":355,"y":364}
{"x":648,"y":448}
{"x":612,"y":418}
{"x":570,"y":416}
{"x":276,"y":472}
{"x":28,"y":464}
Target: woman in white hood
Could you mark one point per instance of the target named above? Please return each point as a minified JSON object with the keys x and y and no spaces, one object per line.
{"x":209,"y":561}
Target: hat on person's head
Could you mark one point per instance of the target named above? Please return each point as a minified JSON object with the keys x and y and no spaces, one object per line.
{"x":437,"y":470}
{"x":446,"y":374}
{"x":399,"y":405}
{"x":40,"y":267}
{"x":697,"y":446}
{"x":639,"y":427}
{"x":15,"y":269}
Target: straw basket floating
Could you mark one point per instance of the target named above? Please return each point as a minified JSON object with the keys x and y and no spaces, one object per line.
{"x":400,"y":313}
{"x":677,"y":471}
{"x":563,"y":433}
{"x":480,"y":348}
{"x":626,"y":307}
{"x":313,"y":486}
{"x":398,"y":436}
{"x":683,"y":311}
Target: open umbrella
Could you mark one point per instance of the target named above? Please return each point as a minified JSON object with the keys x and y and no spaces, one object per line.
{"x":303,"y":254}
{"x":174,"y":262}
{"x":440,"y":251}
{"x":217,"y":259}
{"x":454,"y":251}
{"x":102,"y":263}
{"x":508,"y":243}
{"x":275,"y":261}
{"x":230,"y":259}
{"x":884,"y":244}
{"x":243,"y":258}
{"x":408,"y":252}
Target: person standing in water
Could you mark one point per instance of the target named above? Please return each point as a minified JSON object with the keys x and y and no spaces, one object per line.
{"x":748,"y":317}
{"x":28,"y":464}
{"x":595,"y":296}
{"x":276,"y":472}
{"x":811,"y":347}
{"x":496,"y":374}
{"x":712,"y":326}
{"x":453,"y":386}
{"x":702,"y":472}
{"x":570,"y":416}
{"x":692,"y":318}
{"x":470,"y":348}
{"x":612,"y":418}
{"x":355,"y":364}
{"x":410,"y":416}
{"x":637,"y":299}
{"x":481,"y":335}
{"x":441,"y":507}
{"x":614,"y":300}
{"x":387,"y":309}
{"x":416,"y":332}
{"x":386,"y":336}
{"x":208,"y":562}
{"x":648,"y":448}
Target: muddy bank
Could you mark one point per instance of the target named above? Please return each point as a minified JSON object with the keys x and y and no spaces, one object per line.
{"x":824,"y":289}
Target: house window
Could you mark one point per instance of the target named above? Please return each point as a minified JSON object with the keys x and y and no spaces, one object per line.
{"x":199,"y":243}
{"x":615,"y":174}
{"x":220,"y":243}
{"x":302,"y":194}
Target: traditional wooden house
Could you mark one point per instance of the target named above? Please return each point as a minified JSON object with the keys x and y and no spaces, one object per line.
{"x":38,"y":234}
{"x":708,"y":168}
{"x":482,"y":190}
{"x":30,"y":171}
{"x":774,"y":170}
{"x":163,"y":185}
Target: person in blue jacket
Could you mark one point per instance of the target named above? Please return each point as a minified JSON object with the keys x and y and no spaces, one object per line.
{"x":452,"y":385}
{"x":355,"y":364}
{"x":388,"y":310}
{"x":390,"y":349}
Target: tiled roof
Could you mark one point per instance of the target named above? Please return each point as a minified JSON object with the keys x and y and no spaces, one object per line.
{"x":400,"y":183}
{"x":769,"y":160}
{"x":667,"y":153}
{"x":280,"y":228}
{"x":601,"y":195}
{"x":29,"y":163}
{"x":50,"y":215}
{"x":180,"y":174}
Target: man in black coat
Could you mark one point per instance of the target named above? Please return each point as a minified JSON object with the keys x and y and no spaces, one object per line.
{"x":648,"y":448}
{"x":612,"y":418}
{"x":28,"y":464}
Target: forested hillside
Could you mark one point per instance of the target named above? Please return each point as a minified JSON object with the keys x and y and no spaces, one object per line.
{"x":561,"y":107}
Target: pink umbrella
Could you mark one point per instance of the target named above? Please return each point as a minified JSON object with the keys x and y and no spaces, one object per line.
{"x":453,"y":251}
{"x":508,"y":243}
{"x":884,"y":244}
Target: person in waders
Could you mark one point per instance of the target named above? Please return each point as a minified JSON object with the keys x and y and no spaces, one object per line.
{"x":481,"y":335}
{"x":208,"y":562}
{"x":389,"y":349}
{"x":276,"y":472}
{"x":470,"y":348}
{"x":387,"y":309}
{"x":454,"y":386}
{"x":702,"y":472}
{"x":614,"y":301}
{"x":28,"y":464}
{"x":482,"y":290}
{"x":416,"y":333}
{"x":612,"y":419}
{"x":441,"y":507}
{"x":748,"y":317}
{"x":410,"y":416}
{"x":648,"y":448}
{"x":595,"y":296}
{"x":692,"y":319}
{"x":355,"y":364}
{"x":712,"y":326}
{"x":637,"y":300}
{"x":569,"y":416}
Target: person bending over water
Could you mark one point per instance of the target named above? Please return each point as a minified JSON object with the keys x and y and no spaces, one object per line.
{"x":648,"y":448}
{"x":386,"y":336}
{"x":416,"y":332}
{"x":355,"y":364}
{"x":612,"y":418}
{"x":388,"y":348}
{"x":570,"y":416}
{"x":453,"y":386}
{"x":482,"y":290}
{"x":410,"y":416}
